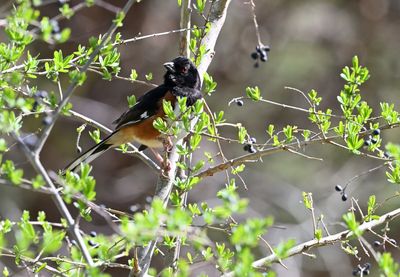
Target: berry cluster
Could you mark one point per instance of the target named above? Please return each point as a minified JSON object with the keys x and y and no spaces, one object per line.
{"x":93,"y":244}
{"x":39,"y":97}
{"x":249,"y":147}
{"x":362,"y":270}
{"x":342,"y":191}
{"x":372,"y":139}
{"x":379,"y":244}
{"x":260,"y":53}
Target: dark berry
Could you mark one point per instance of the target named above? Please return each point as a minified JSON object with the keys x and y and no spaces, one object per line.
{"x":344,"y":197}
{"x":252,"y":140}
{"x":239,"y":103}
{"x":252,"y":149}
{"x":266,"y":48}
{"x":93,"y":234}
{"x":92,"y":243}
{"x":355,"y":272}
{"x":386,"y":155}
{"x":367,"y":142}
{"x":377,"y":243}
{"x":258,"y":48}
{"x":247,"y":147}
{"x":366,"y":272}
{"x":374,"y":140}
{"x":393,"y":241}
{"x":367,"y":266}
{"x":73,"y":242}
{"x":254,"y":55}
{"x":338,"y":188}
{"x":46,"y":120}
{"x":376,"y":132}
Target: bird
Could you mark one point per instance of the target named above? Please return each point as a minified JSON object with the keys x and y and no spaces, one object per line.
{"x":136,"y":124}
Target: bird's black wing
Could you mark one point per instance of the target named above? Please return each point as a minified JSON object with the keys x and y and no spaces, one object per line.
{"x":145,"y":107}
{"x":192,"y":94}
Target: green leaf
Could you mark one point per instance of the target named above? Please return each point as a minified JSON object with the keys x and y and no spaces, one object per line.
{"x":66,"y":11}
{"x":209,"y":84}
{"x":6,"y":273}
{"x":133,"y":75}
{"x":248,"y":233}
{"x":119,"y":18}
{"x":38,"y":182}
{"x":318,"y":234}
{"x":52,"y":241}
{"x":307,"y":200}
{"x":350,"y":220}
{"x":149,"y":76}
{"x":3,"y":145}
{"x":242,"y":133}
{"x":95,"y":135}
{"x":195,"y":140}
{"x":131,"y":100}
{"x":282,"y":249}
{"x":253,"y":93}
{"x":169,"y":111}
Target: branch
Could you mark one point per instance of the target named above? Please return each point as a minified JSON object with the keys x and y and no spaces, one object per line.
{"x":329,"y":240}
{"x":217,"y":19}
{"x":62,"y":207}
{"x":165,"y":183}
{"x":74,"y":83}
{"x":255,"y":156}
{"x":185,"y":24}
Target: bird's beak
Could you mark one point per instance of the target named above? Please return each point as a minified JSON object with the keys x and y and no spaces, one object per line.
{"x":170,"y":67}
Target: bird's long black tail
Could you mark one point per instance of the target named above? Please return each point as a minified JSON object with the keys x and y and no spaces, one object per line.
{"x":89,"y":155}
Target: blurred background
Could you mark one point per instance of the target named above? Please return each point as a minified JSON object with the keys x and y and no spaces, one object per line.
{"x":310,"y":42}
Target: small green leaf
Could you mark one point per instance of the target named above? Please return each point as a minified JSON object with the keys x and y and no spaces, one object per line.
{"x":242,"y":134}
{"x":133,"y":75}
{"x":131,"y":100}
{"x":318,"y":234}
{"x":149,"y":76}
{"x":38,"y":182}
{"x":253,"y":93}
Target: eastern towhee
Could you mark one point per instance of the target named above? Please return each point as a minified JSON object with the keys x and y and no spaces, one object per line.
{"x":136,"y":124}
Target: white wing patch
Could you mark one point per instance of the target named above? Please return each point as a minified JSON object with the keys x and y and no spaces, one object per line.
{"x":144,"y":115}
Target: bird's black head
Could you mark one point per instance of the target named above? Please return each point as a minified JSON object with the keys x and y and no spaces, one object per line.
{"x":181,"y":72}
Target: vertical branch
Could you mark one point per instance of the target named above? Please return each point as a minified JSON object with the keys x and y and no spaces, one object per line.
{"x":165,"y":184}
{"x":185,"y":24}
{"x":216,"y":20}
